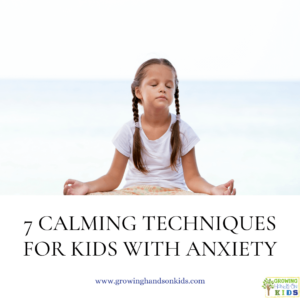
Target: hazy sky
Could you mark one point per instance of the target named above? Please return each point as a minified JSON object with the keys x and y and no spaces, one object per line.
{"x":206,"y":40}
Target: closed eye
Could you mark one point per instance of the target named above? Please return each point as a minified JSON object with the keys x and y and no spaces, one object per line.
{"x":167,"y":86}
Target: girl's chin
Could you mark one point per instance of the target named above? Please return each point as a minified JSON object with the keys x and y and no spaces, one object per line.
{"x":162,"y":102}
{"x":159,"y":105}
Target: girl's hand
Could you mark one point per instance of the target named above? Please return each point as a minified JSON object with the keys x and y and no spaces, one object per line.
{"x":76,"y":187}
{"x":224,"y":189}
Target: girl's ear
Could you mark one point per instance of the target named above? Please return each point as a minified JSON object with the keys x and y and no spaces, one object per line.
{"x":138,"y":93}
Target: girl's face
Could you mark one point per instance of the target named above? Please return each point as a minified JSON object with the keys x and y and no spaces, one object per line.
{"x":157,"y":88}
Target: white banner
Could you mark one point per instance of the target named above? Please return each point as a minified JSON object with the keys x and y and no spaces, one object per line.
{"x":164,"y":247}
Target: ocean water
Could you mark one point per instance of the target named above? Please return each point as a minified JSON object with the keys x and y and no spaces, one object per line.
{"x":55,"y":130}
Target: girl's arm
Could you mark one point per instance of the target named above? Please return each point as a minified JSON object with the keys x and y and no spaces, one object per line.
{"x":108,"y":182}
{"x":114,"y":176}
{"x":196,"y":183}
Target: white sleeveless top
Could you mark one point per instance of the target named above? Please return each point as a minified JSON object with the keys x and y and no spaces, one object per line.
{"x":158,"y":163}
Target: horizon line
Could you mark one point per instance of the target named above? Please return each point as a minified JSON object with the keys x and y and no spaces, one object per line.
{"x":120,"y":79}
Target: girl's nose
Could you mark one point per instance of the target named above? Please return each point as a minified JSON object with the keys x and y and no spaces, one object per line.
{"x":162,"y":89}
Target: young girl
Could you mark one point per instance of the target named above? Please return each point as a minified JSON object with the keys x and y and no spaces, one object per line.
{"x":158,"y":146}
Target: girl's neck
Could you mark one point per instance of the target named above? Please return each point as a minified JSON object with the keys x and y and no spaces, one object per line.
{"x":156,"y":119}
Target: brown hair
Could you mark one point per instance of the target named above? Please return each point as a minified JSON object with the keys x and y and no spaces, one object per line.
{"x":138,"y":147}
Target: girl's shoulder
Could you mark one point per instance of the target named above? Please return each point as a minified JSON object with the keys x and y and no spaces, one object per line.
{"x":188,"y":136}
{"x":128,"y":127}
{"x":123,"y":138}
{"x":184,"y":126}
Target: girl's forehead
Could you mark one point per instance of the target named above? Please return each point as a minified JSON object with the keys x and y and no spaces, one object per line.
{"x":159,"y":72}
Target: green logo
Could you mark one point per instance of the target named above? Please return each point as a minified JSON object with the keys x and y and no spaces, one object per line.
{"x":281,"y":287}
{"x":268,"y":284}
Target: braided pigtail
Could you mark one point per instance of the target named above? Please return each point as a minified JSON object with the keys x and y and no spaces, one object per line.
{"x":175,"y":137}
{"x":137,"y":147}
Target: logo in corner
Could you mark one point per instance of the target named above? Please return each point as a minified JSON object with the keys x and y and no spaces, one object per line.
{"x":281,"y":287}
